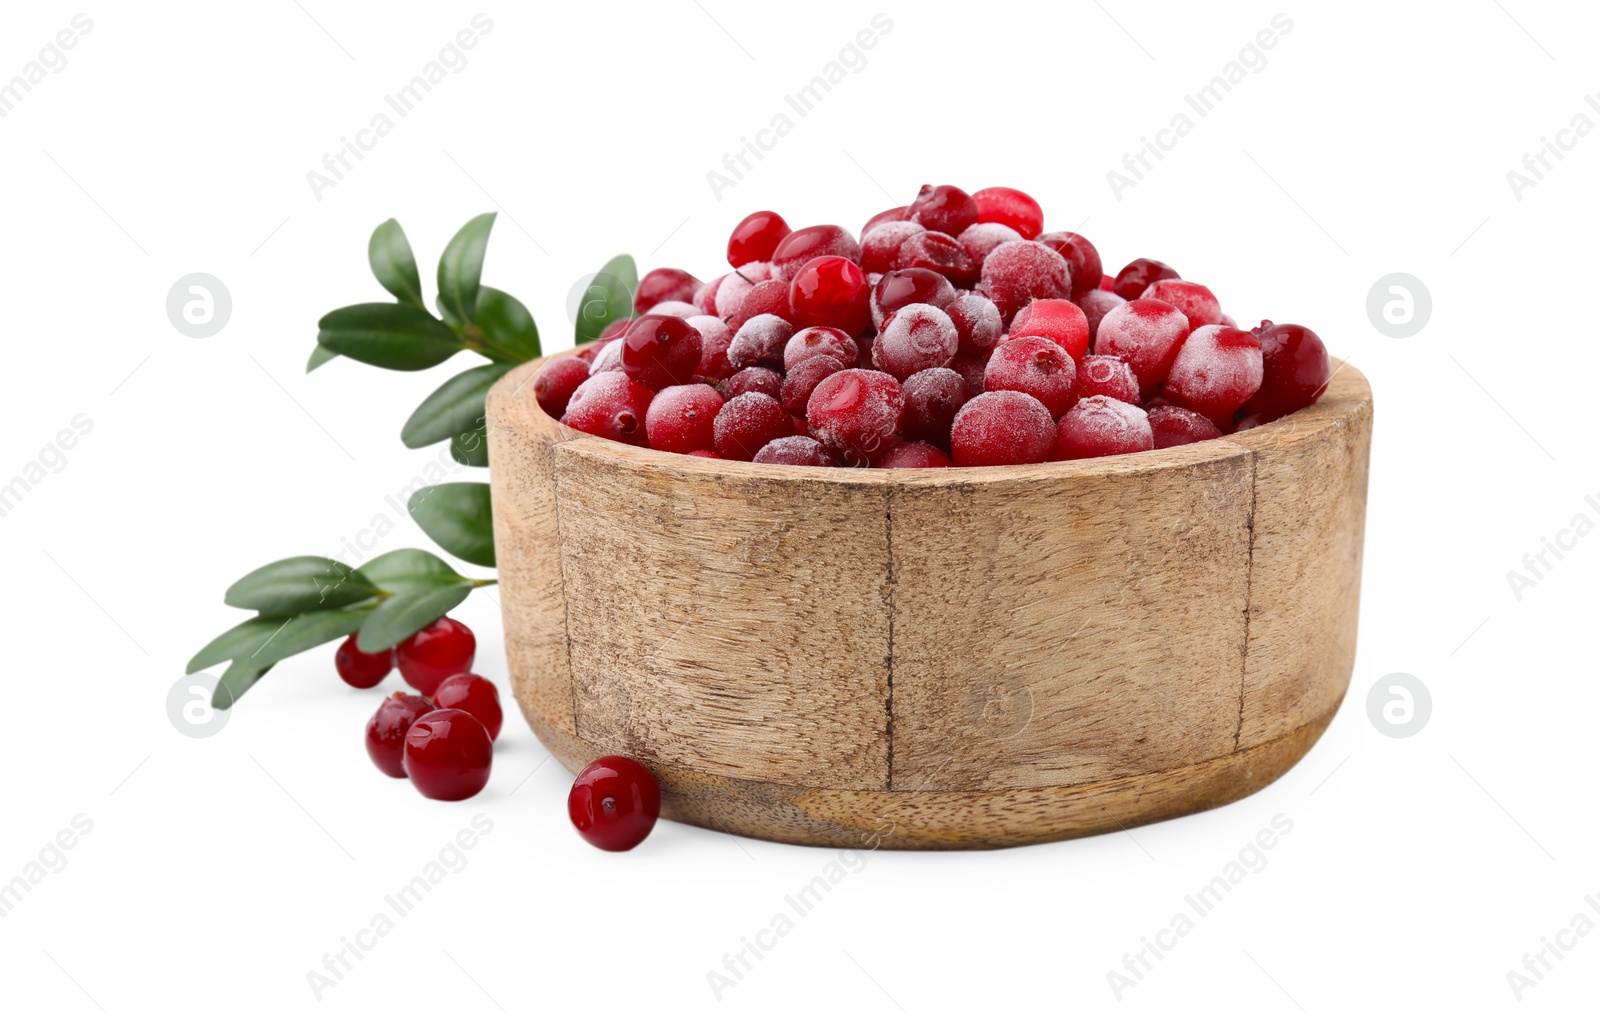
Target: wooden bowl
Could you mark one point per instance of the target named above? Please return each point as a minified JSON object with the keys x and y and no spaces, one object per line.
{"x":951,"y":658}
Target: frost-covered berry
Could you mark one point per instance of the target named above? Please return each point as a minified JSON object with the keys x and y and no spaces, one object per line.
{"x":1172,"y":426}
{"x":815,"y":341}
{"x":680,"y":418}
{"x":747,"y":423}
{"x":1107,"y":375}
{"x":797,"y":450}
{"x":880,"y":247}
{"x":1002,"y":427}
{"x":915,"y":338}
{"x":1095,"y":306}
{"x":1033,"y":365}
{"x":715,"y":337}
{"x":1081,"y":256}
{"x":555,"y":383}
{"x":941,"y":254}
{"x":980,"y":240}
{"x":610,"y":405}
{"x":1017,"y":273}
{"x":1147,"y":333}
{"x":977,"y":321}
{"x":856,"y":413}
{"x":1100,"y":426}
{"x":760,"y":342}
{"x":807,"y":244}
{"x":1217,"y":370}
{"x":664,"y":284}
{"x":800,"y":381}
{"x":1191,"y":298}
{"x":1060,"y":320}
{"x":1012,"y":208}
{"x":933,"y":396}
{"x":913,"y":455}
{"x":751,"y":380}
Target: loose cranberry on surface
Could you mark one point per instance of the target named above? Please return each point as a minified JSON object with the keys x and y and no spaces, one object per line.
{"x":659,"y":351}
{"x":747,"y":423}
{"x":664,"y":284}
{"x":1217,"y":370}
{"x":1010,"y":207}
{"x":475,"y":695}
{"x":809,"y":243}
{"x":1015,"y":274}
{"x":1002,"y":427}
{"x":1060,"y":320}
{"x":1100,"y":426}
{"x":915,"y":338}
{"x":944,"y":208}
{"x":1081,"y":256}
{"x":880,"y":247}
{"x":815,"y":341}
{"x":443,"y":648}
{"x":830,"y":292}
{"x":612,"y":406}
{"x":1139,"y":275}
{"x":977,"y":321}
{"x":1033,"y":365}
{"x":448,"y":754}
{"x":756,"y":237}
{"x":1193,"y":299}
{"x":680,"y":419}
{"x":933,"y":396}
{"x":941,"y":254}
{"x":386,"y":731}
{"x":360,"y":669}
{"x":1295,"y":369}
{"x":614,"y":803}
{"x":914,"y":455}
{"x":1108,"y":375}
{"x":1147,"y":333}
{"x":796,"y":450}
{"x":856,"y":413}
{"x":1172,"y":426}
{"x":556,"y":381}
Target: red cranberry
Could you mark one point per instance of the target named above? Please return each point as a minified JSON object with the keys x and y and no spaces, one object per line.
{"x":1172,"y":426}
{"x":914,"y":455}
{"x":796,"y":450}
{"x":971,"y":368}
{"x":386,"y":731}
{"x":747,"y":423}
{"x":915,"y":338}
{"x":1096,"y":305}
{"x":944,"y":208}
{"x":898,"y":289}
{"x":1147,"y":333}
{"x":1002,"y":427}
{"x":1017,"y":273}
{"x":1100,"y":426}
{"x":803,"y":379}
{"x":612,"y":406}
{"x":751,"y":380}
{"x":715,"y":337}
{"x":705,"y":297}
{"x":443,"y":648}
{"x":831,"y":292}
{"x":1033,"y":365}
{"x":607,"y":359}
{"x":1081,"y":256}
{"x":882,"y":217}
{"x":556,"y":381}
{"x":815,"y":341}
{"x":980,"y":240}
{"x":1057,"y":319}
{"x":1108,"y":284}
{"x":614,"y":803}
{"x":612,"y":332}
{"x":448,"y":755}
{"x":1295,"y":370}
{"x":760,"y":341}
{"x":756,"y":237}
{"x":1217,"y":370}
{"x":475,"y":695}
{"x":977,"y":321}
{"x":933,"y":396}
{"x":880,"y":248}
{"x":939,"y":253}
{"x":659,"y":351}
{"x":1192,"y":298}
{"x":1011,"y":208}
{"x":765,"y":297}
{"x":808,"y":244}
{"x":1107,"y":375}
{"x":664,"y":284}
{"x":735,"y":286}
{"x":1139,"y":275}
{"x":360,"y":669}
{"x":680,"y":418}
{"x":856,"y":413}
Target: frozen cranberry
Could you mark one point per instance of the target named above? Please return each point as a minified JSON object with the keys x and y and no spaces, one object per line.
{"x":448,"y":755}
{"x":606,"y":359}
{"x":386,"y":731}
{"x":360,"y":669}
{"x":880,"y":248}
{"x":1145,"y":332}
{"x":1294,"y":371}
{"x":659,"y":351}
{"x":1057,"y":319}
{"x":1095,"y":306}
{"x":803,"y":379}
{"x":977,"y":321}
{"x":971,"y":368}
{"x":1139,"y":275}
{"x":765,"y":297}
{"x":933,"y":396}
{"x":944,"y":208}
{"x":1172,"y":426}
{"x":556,"y":381}
{"x":661,"y":285}
{"x":1193,"y":299}
{"x":1012,"y":208}
{"x":915,"y":338}
{"x":715,"y":337}
{"x":756,"y":237}
{"x":475,"y":695}
{"x":614,"y":803}
{"x":1100,"y":426}
{"x":940,"y":253}
{"x":749,"y":422}
{"x":1107,"y":375}
{"x":610,"y":405}
{"x":914,"y":455}
{"x":760,"y":342}
{"x":705,"y":297}
{"x":674,"y":308}
{"x":443,"y":648}
{"x":796,"y":450}
{"x":807,"y":244}
{"x":1081,"y":256}
{"x":1108,"y":284}
{"x":856,"y":413}
{"x":980,"y":240}
{"x":680,"y":418}
{"x":1033,"y":365}
{"x":1217,"y":370}
{"x":737,"y":285}
{"x":830,"y":292}
{"x":1002,"y":427}
{"x":815,"y":341}
{"x":1017,"y":273}
{"x":751,"y":380}
{"x":898,"y":289}
{"x":883,"y":217}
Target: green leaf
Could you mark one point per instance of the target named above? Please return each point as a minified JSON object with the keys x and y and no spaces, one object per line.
{"x":609,"y":297}
{"x":389,"y":335}
{"x":507,"y":326}
{"x":461,"y":267}
{"x":397,"y":618}
{"x":456,"y":516}
{"x":389,"y":253}
{"x":455,"y":408}
{"x":299,"y":584}
{"x":471,"y":449}
{"x":239,"y":677}
{"x":409,"y":570}
{"x":240,"y":640}
{"x":301,"y":633}
{"x":319,"y":356}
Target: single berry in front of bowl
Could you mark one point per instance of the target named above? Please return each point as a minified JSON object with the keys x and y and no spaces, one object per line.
{"x":1002,"y":427}
{"x":614,"y":803}
{"x":680,"y":419}
{"x":659,"y":351}
{"x":856,"y":414}
{"x":1100,"y":426}
{"x":747,"y":423}
{"x":1294,"y":371}
{"x":612,"y":406}
{"x":556,"y":381}
{"x":360,"y":669}
{"x":386,"y":731}
{"x":475,"y":695}
{"x":448,"y":755}
{"x":443,"y":648}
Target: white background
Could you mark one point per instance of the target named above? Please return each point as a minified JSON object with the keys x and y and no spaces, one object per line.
{"x":219,"y":871}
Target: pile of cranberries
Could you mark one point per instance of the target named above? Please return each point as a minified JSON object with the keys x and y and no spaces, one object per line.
{"x":953,"y":330}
